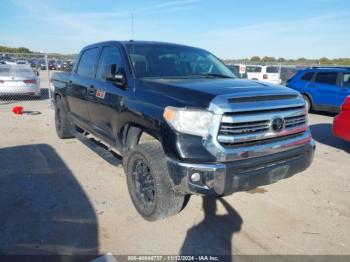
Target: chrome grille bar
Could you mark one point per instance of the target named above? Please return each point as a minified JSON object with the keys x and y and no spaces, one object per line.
{"x":254,"y":126}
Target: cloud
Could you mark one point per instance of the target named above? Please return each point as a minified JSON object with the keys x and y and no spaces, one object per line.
{"x":291,"y":38}
{"x":31,"y":6}
{"x":81,"y":28}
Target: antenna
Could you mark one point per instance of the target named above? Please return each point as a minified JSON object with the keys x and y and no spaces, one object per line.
{"x":133,"y":48}
{"x":132,"y":26}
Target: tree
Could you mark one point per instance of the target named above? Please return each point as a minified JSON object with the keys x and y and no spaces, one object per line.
{"x":325,"y":61}
{"x":268,"y":59}
{"x":255,"y":59}
{"x":5,"y":49}
{"x":301,"y":60}
{"x":281,"y":60}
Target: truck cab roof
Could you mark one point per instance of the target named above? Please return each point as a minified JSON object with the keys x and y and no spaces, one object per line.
{"x":134,"y":42}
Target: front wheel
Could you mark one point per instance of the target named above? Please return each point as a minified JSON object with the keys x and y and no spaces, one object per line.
{"x":62,"y":123}
{"x":150,"y":186}
{"x":307,"y":103}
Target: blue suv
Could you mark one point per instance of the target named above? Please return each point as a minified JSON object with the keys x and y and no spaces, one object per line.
{"x":323,"y":88}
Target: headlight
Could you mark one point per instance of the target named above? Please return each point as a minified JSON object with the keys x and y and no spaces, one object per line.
{"x":189,"y":121}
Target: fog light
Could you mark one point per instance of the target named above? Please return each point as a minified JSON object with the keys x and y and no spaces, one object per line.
{"x":196,"y":177}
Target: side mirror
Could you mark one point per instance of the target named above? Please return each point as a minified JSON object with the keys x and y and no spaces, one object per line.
{"x":117,"y":77}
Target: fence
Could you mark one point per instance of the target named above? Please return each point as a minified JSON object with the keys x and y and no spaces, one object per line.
{"x":44,"y":64}
{"x":36,"y":94}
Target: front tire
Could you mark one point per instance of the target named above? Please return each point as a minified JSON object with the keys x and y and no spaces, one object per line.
{"x":150,"y":186}
{"x":62,"y":123}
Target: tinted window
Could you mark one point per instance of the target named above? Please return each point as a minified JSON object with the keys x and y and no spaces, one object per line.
{"x":87,"y":64}
{"x":15,"y":70}
{"x":253,"y":69}
{"x":329,"y":78}
{"x":109,"y":56}
{"x":174,"y":61}
{"x":346,"y":79}
{"x":307,"y":76}
{"x":234,"y":69}
{"x":272,"y":69}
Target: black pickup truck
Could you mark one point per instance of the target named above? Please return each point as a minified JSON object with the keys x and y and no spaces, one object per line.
{"x":181,"y":121}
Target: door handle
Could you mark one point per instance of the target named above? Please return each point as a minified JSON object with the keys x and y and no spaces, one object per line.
{"x":91,"y":90}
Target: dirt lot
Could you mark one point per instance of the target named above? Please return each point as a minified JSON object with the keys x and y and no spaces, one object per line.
{"x":61,"y":197}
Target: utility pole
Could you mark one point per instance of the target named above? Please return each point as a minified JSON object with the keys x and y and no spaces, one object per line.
{"x":48,"y":75}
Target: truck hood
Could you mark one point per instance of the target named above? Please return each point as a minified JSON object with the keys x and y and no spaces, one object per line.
{"x":200,"y":92}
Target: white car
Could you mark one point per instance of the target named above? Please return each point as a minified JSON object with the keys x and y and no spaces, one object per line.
{"x":22,"y":62}
{"x":10,"y":62}
{"x":19,"y":80}
{"x":269,"y":74}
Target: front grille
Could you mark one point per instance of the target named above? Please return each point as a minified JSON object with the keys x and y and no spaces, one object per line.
{"x":295,"y":121}
{"x":244,"y":128}
{"x":255,"y":126}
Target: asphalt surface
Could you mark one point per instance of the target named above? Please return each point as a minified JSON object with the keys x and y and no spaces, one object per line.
{"x":60,"y":197}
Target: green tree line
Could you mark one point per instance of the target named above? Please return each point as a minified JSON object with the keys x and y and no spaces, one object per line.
{"x":302,"y":60}
{"x":5,"y":49}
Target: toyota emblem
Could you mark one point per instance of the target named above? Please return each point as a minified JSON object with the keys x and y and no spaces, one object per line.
{"x":277,"y":124}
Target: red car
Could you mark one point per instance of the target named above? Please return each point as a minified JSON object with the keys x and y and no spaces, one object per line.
{"x":341,"y":124}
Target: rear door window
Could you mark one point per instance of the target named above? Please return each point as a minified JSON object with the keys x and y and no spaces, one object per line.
{"x":328,"y":78}
{"x":87,"y":64}
{"x":346,"y":80}
{"x":253,"y":69}
{"x":307,"y":76}
{"x":272,"y":69}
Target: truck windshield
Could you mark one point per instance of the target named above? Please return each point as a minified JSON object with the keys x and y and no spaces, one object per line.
{"x":173,"y":61}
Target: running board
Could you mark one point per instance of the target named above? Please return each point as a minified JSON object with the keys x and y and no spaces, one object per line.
{"x":100,"y":148}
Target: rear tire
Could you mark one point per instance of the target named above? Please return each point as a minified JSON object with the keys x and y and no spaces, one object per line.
{"x":62,"y":123}
{"x":150,"y":186}
{"x":307,"y":103}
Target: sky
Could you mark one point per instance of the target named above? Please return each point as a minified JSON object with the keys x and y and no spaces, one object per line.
{"x":228,"y":28}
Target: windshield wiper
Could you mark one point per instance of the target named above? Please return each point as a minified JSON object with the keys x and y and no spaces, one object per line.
{"x":211,"y":75}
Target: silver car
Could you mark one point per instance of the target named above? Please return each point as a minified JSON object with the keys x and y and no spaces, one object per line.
{"x":19,"y":80}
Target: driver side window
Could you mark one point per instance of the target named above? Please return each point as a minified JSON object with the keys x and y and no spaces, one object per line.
{"x":109,"y":56}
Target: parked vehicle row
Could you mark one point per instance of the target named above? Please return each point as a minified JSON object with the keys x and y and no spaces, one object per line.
{"x":264,"y":73}
{"x":40,"y":64}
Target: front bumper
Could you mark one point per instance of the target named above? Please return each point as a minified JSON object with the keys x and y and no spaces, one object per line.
{"x":226,"y":178}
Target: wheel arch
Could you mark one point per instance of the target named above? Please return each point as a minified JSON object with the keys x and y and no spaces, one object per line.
{"x":133,"y":134}
{"x":308,"y":95}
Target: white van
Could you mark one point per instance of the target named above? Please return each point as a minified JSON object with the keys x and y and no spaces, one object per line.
{"x":269,"y":74}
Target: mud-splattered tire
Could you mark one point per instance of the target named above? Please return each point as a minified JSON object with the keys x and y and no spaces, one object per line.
{"x":62,"y":123}
{"x":150,"y":186}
